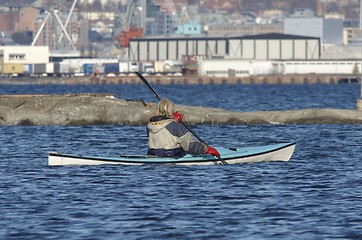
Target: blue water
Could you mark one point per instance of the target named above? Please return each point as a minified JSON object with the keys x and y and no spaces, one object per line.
{"x":230,"y":97}
{"x":316,"y":195}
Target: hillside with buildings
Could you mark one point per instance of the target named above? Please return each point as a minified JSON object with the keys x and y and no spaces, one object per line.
{"x":183,"y":36}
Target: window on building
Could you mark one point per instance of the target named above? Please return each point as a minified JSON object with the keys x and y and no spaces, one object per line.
{"x":16,"y":56}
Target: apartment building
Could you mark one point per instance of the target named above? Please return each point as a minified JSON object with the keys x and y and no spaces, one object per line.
{"x":17,"y":19}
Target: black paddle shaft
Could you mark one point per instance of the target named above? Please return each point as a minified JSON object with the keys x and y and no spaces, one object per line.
{"x":143,"y":79}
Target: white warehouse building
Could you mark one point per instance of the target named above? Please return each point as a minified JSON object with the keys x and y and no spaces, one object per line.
{"x":348,"y":67}
{"x":243,"y":68}
{"x":254,"y":47}
{"x":24,"y":54}
{"x":235,"y":67}
{"x":274,"y":47}
{"x":16,"y":60}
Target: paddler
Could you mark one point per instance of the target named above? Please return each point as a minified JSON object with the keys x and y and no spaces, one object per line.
{"x":168,"y":138}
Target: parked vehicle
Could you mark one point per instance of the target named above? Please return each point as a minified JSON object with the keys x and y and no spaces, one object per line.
{"x":61,"y":69}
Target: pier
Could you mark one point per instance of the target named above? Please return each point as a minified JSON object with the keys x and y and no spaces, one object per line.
{"x":267,"y":79}
{"x":194,"y":79}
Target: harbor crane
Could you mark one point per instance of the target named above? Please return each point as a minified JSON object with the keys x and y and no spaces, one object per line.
{"x":53,"y":12}
{"x":130,"y":21}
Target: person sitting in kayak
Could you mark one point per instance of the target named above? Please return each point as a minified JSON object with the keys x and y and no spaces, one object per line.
{"x":168,"y":138}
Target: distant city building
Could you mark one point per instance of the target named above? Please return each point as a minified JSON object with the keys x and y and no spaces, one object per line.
{"x":98,"y":15}
{"x":17,"y":18}
{"x":161,"y":21}
{"x":103,"y":2}
{"x":161,"y":26}
{"x":330,"y":31}
{"x":103,"y":28}
{"x":351,"y":33}
{"x":303,"y":13}
{"x":351,"y":36}
{"x":342,"y":52}
{"x":5,"y":39}
{"x":157,"y":23}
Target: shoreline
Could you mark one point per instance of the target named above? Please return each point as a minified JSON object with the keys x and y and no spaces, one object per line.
{"x":192,"y":79}
{"x":105,"y":109}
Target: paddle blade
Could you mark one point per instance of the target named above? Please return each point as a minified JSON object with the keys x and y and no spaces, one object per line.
{"x":143,"y":79}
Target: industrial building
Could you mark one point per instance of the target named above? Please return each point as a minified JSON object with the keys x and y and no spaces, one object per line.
{"x":24,"y":54}
{"x":330,"y":31}
{"x":243,"y":68}
{"x":252,"y":47}
{"x":174,"y":48}
{"x":20,"y":59}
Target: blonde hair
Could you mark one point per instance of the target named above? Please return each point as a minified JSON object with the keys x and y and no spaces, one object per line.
{"x":165,"y":108}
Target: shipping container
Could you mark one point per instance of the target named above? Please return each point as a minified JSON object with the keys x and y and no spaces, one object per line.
{"x":27,"y":69}
{"x":124,"y":67}
{"x":111,"y":68}
{"x":9,"y":69}
{"x":88,"y":69}
{"x":40,"y":69}
{"x":158,"y":66}
{"x":50,"y":69}
{"x":61,"y":69}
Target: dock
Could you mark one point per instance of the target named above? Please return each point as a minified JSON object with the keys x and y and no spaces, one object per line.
{"x":194,"y":79}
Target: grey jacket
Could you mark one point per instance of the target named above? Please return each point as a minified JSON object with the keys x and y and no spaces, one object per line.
{"x":167,"y":134}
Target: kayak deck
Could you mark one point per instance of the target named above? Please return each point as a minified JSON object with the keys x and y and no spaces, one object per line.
{"x":275,"y":152}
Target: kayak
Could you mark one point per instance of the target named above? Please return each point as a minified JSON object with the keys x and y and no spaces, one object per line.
{"x":268,"y":153}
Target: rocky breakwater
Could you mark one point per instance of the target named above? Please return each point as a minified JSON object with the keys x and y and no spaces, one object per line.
{"x":92,"y":109}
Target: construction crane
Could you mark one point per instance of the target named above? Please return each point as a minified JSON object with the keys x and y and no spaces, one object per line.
{"x":126,"y":25}
{"x":181,"y":20}
{"x":53,"y":12}
{"x":174,"y":14}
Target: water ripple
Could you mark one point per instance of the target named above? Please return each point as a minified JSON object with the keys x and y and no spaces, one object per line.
{"x":316,"y":195}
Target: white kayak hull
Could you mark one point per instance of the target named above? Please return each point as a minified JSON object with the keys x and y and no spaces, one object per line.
{"x":276,"y":152}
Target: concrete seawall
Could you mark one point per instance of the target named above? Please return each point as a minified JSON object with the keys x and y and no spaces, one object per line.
{"x":194,"y":79}
{"x":92,"y":109}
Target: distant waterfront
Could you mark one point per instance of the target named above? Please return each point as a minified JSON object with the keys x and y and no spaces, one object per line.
{"x":169,"y":79}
